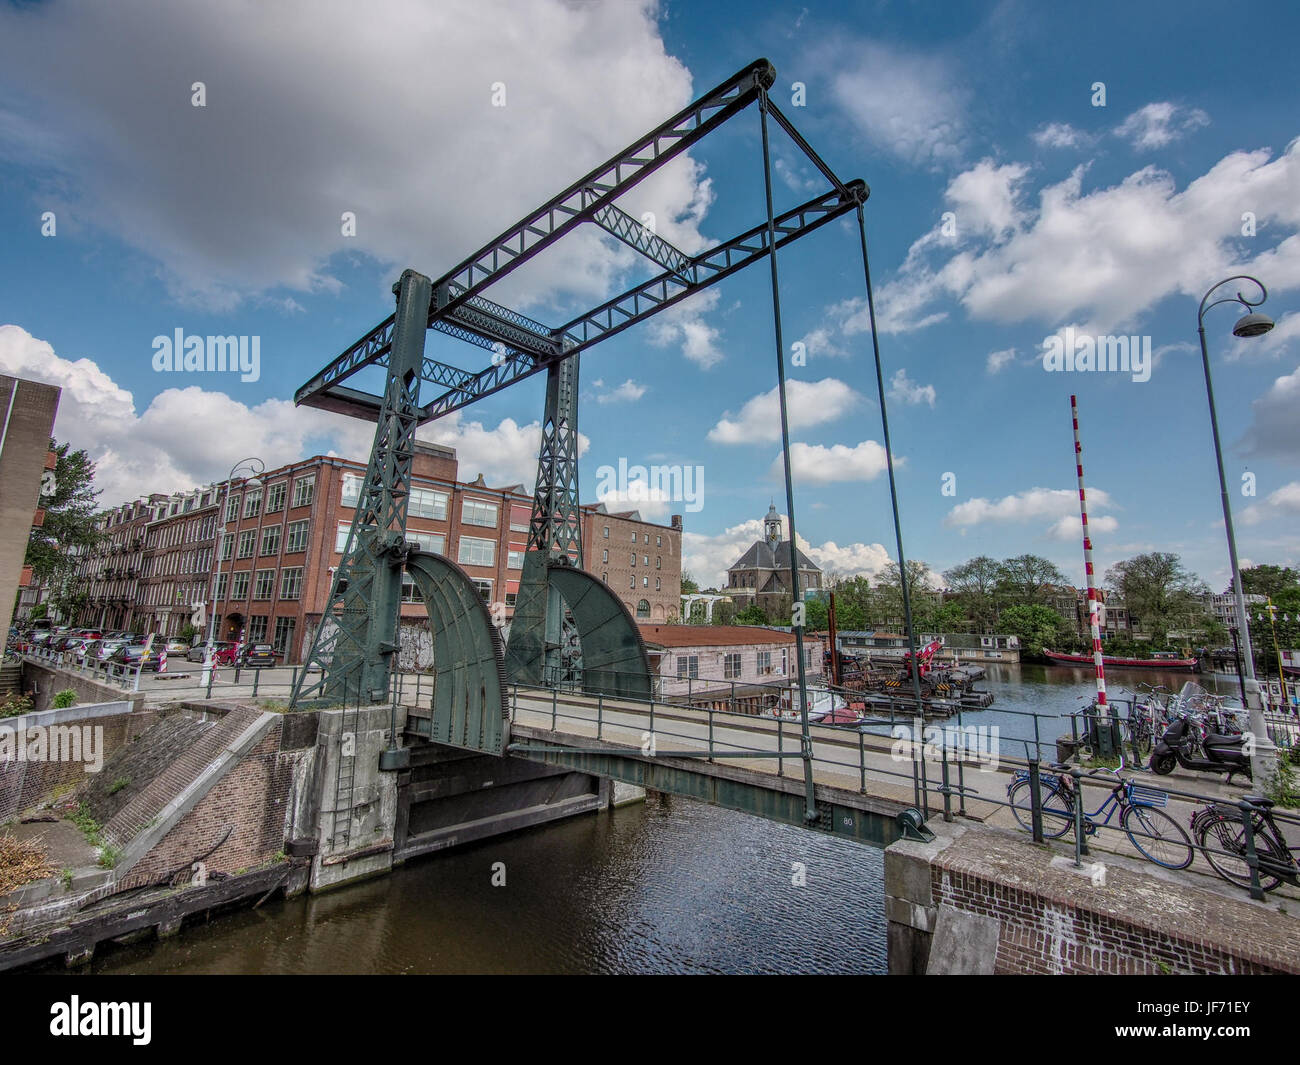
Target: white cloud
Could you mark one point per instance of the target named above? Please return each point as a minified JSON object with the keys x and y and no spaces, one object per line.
{"x":1059,"y":135}
{"x":1104,"y":256}
{"x":808,"y":403}
{"x":849,"y":560}
{"x":1059,"y":506}
{"x":821,"y":341}
{"x":190,"y":436}
{"x":816,"y":464}
{"x":628,"y":391}
{"x":904,"y":390}
{"x":1284,"y":502}
{"x":683,"y":323}
{"x":906,"y":103}
{"x":1159,"y":124}
{"x":1274,"y":428}
{"x":707,"y":557}
{"x":997,"y":360}
{"x":985,"y":198}
{"x":246,"y":194}
{"x":1276,"y":341}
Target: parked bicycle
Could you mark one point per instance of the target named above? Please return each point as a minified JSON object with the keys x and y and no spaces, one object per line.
{"x":1220,"y":833}
{"x":1156,"y":835}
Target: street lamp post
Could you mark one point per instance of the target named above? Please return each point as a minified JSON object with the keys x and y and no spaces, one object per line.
{"x":255,"y":468}
{"x":1251,"y":324}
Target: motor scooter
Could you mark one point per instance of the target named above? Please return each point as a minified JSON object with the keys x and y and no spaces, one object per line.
{"x":1214,"y":753}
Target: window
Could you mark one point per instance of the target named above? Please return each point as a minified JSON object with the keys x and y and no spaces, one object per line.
{"x":476,"y":552}
{"x":604,"y":555}
{"x":341,"y":537}
{"x":351,"y":489}
{"x":257,"y":628}
{"x":688,"y":666}
{"x":223,"y":582}
{"x":645,"y":582}
{"x":484,"y":589}
{"x":477,"y":512}
{"x":296,"y":537}
{"x":304,"y":491}
{"x":511,"y":598}
{"x":658,"y":584}
{"x":730,"y":666}
{"x":634,"y":536}
{"x":410,"y":592}
{"x":283,"y":636}
{"x":765,"y":661}
{"x":425,"y":503}
{"x":606,"y":532}
{"x":232,"y":508}
{"x":634,"y":560}
{"x":239,"y":586}
{"x":659,"y":541}
{"x":785,"y":661}
{"x":253,"y":504}
{"x":647,"y":538}
{"x":515,"y":560}
{"x":264,"y":586}
{"x":435,"y":542}
{"x":632,"y":581}
{"x":604,"y":578}
{"x":271,"y":540}
{"x":291,"y":583}
{"x":227,"y":545}
{"x":643,"y":610}
{"x":247,"y":540}
{"x":275,"y":496}
{"x":659,"y":562}
{"x":645,"y":560}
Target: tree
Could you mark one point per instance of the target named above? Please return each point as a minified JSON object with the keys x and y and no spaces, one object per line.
{"x":975,"y":584}
{"x":949,"y":617}
{"x":1037,"y":626}
{"x":817,"y":615}
{"x":1159,"y":593}
{"x":751,"y":615}
{"x":724,"y":612}
{"x":689,"y":584}
{"x":889,"y":592}
{"x":1027,"y":580}
{"x":1287,"y":605}
{"x":1266,"y":580}
{"x":69,"y":525}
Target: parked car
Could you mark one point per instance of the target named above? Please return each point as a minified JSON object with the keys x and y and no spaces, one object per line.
{"x":223,"y":654}
{"x":135,"y":654}
{"x":257,"y":656}
{"x":175,"y":645}
{"x":104,"y":649}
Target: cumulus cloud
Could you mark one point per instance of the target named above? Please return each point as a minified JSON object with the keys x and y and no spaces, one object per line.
{"x":998,"y":360}
{"x":413,"y":145}
{"x":808,"y":403}
{"x":1159,"y":124}
{"x":628,"y":391}
{"x":1059,"y":135}
{"x":1284,"y":502}
{"x":1058,"y":506}
{"x":904,"y":390}
{"x":986,"y":198}
{"x":191,"y":436}
{"x":816,"y":464}
{"x":684,"y":324}
{"x":1274,"y":429}
{"x":907,"y":103}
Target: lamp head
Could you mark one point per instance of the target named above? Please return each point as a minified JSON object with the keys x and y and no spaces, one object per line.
{"x":1252,"y":325}
{"x":253,"y":482}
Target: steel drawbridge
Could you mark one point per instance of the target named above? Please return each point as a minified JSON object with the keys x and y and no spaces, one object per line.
{"x":559,"y":605}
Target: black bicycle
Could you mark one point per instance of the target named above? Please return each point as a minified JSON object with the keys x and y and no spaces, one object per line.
{"x":1220,"y":833}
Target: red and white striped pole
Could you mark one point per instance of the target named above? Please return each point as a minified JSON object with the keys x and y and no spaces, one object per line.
{"x":1094,"y":606}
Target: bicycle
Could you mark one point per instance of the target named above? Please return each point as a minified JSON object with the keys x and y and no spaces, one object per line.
{"x":1227,"y":852}
{"x":1156,"y":835}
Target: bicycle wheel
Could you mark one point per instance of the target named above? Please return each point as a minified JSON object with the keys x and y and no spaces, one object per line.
{"x":1223,"y":841}
{"x":1058,"y":814}
{"x":1140,"y":738}
{"x":1157,"y":836}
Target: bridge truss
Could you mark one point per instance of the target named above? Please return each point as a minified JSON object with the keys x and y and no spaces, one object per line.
{"x":354,"y":645}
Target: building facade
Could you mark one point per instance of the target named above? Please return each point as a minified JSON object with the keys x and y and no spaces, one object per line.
{"x":27,"y":410}
{"x":264,"y":556}
{"x":691,"y":659}
{"x":762,"y":574}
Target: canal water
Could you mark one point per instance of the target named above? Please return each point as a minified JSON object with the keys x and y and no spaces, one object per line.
{"x":668,"y":886}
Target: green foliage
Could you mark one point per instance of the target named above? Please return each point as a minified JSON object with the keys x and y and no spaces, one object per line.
{"x":689,"y":585}
{"x":118,"y":785}
{"x":817,"y":615}
{"x":1159,"y":593}
{"x":38,"y":613}
{"x":975,"y":585}
{"x":190,"y":632}
{"x":1266,"y":580}
{"x":64,"y":699}
{"x":110,"y":856}
{"x":90,"y":828}
{"x":751,"y":615}
{"x":14,"y":705}
{"x":1037,"y":627}
{"x":1281,"y":786}
{"x":69,"y":523}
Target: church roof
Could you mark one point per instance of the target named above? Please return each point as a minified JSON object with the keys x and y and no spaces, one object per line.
{"x":760,"y":556}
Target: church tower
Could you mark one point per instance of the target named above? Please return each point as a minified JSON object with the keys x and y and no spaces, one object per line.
{"x":772,"y":528}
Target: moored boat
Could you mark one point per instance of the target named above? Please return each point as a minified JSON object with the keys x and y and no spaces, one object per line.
{"x":1191,"y":665}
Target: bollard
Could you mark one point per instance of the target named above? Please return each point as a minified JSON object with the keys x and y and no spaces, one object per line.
{"x":554,"y":707}
{"x":600,"y":713}
{"x":257,"y":675}
{"x":1036,"y":801}
{"x":1080,"y":845}
{"x":947,"y":797}
{"x":1252,"y":856}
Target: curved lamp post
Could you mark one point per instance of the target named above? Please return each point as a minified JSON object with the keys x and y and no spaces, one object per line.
{"x":255,"y":467}
{"x":1251,"y":324}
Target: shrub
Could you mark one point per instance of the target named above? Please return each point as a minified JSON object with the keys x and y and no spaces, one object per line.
{"x":14,"y":704}
{"x":64,"y":699}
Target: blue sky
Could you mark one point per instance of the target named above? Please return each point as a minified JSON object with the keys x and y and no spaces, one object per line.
{"x":226,"y":219}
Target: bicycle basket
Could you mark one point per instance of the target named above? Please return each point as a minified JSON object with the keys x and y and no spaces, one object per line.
{"x":1147,"y":796}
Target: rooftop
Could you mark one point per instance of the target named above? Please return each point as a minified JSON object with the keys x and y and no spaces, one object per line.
{"x":712,"y":635}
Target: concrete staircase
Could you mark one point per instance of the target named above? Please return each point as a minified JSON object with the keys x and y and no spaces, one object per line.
{"x":11,"y":678}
